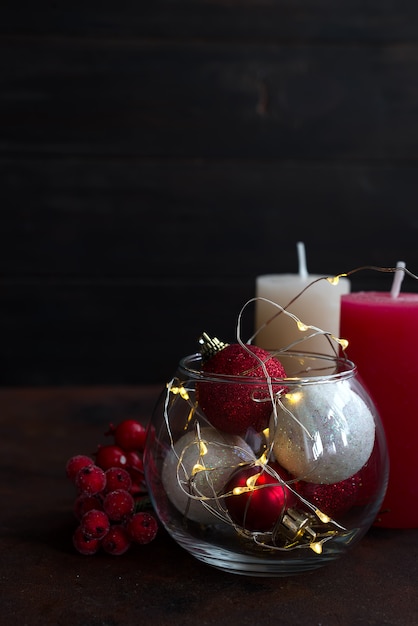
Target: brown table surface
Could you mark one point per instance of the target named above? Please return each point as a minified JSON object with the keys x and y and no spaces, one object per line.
{"x":44,"y":581}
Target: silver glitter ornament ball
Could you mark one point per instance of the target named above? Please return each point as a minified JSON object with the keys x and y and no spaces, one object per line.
{"x":324,"y":432}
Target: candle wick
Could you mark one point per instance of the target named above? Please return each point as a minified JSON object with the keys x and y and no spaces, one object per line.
{"x":303,"y":270}
{"x":397,"y":279}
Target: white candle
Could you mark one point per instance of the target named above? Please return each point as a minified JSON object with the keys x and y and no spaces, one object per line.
{"x":318,"y":306}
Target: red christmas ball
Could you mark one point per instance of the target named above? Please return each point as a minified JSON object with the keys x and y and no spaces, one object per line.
{"x":234,"y":406}
{"x":338,"y":498}
{"x":257,"y":499}
{"x":333,"y":499}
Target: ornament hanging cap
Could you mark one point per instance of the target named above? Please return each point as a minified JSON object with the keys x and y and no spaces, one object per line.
{"x":210,"y":346}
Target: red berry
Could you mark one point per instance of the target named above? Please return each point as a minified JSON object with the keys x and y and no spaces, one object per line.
{"x":134,"y":461}
{"x":116,"y":541}
{"x":129,"y":434}
{"x":83,"y":544}
{"x":90,"y":480}
{"x":142,"y":527}
{"x":95,"y":524}
{"x":118,"y":478}
{"x":84,"y":503}
{"x":135,"y":467}
{"x":118,"y":504}
{"x":110,"y":456}
{"x":75,"y":464}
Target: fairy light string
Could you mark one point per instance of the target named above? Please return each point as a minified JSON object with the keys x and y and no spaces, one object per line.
{"x":294,"y":530}
{"x":306,"y":527}
{"x":332,"y":280}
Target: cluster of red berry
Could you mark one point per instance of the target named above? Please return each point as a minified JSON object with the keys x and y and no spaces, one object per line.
{"x":111,"y":502}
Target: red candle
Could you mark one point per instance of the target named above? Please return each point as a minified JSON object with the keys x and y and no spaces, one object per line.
{"x":382,"y":331}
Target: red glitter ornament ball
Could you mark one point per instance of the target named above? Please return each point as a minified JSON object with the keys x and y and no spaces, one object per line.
{"x":234,"y":406}
{"x":333,"y":499}
{"x":263,"y":499}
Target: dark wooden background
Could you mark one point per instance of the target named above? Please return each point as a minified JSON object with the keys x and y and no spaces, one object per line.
{"x":155,"y":157}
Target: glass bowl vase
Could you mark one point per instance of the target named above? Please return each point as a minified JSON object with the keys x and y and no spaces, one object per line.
{"x":289,"y":495}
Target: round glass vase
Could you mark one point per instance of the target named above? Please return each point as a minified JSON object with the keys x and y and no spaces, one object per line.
{"x":289,"y":497}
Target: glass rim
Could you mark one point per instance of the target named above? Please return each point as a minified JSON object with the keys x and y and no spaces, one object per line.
{"x":337,"y":368}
